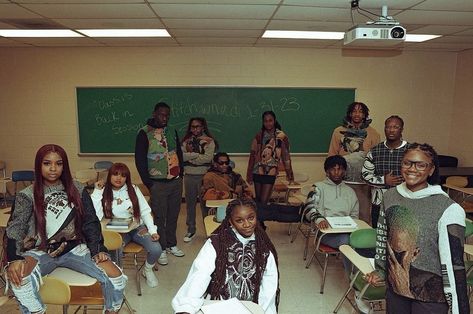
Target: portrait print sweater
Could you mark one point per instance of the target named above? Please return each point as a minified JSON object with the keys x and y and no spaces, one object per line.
{"x":432,"y":255}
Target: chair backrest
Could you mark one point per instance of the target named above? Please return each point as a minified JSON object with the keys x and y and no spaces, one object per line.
{"x":55,"y":291}
{"x":459,"y":181}
{"x":3,"y":169}
{"x":22,"y":175}
{"x":103,"y":164}
{"x":468,"y":228}
{"x":112,"y":240}
{"x":300,"y":177}
{"x":448,"y":161}
{"x":363,"y":239}
{"x":86,"y":176}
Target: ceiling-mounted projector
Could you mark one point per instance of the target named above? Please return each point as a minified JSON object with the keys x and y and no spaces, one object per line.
{"x":384,"y":32}
{"x":375,"y":35}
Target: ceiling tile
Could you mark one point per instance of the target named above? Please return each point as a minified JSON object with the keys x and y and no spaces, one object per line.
{"x":453,"y":39}
{"x":110,"y":23}
{"x":457,"y":5}
{"x":77,"y":1}
{"x":12,"y":11}
{"x":365,"y":4}
{"x":216,"y":1}
{"x":309,"y":25}
{"x":138,"y":41}
{"x":233,"y":41}
{"x":466,"y":32}
{"x":435,"y":17}
{"x":214,"y":11}
{"x":92,"y":10}
{"x":214,"y":33}
{"x":5,"y":42}
{"x":438,"y":29}
{"x":214,"y":23}
{"x":83,"y":41}
{"x":313,"y":14}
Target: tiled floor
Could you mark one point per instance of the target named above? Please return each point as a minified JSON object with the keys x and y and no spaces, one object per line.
{"x":299,"y":286}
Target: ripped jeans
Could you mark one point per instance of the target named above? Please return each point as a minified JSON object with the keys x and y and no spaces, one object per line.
{"x":77,"y":259}
{"x":141,"y":236}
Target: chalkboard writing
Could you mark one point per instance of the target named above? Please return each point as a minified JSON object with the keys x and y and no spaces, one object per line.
{"x":109,"y":118}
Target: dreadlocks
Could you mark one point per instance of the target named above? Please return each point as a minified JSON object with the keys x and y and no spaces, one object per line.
{"x":224,"y":239}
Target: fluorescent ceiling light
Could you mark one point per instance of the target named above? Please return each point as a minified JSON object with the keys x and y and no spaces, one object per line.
{"x":417,"y":38}
{"x":303,"y":35}
{"x":125,"y":32}
{"x":38,"y":33}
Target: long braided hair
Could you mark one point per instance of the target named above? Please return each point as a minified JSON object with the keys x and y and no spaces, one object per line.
{"x":226,"y":239}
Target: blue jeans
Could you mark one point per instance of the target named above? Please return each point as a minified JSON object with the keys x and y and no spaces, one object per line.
{"x":77,"y":259}
{"x":141,"y":236}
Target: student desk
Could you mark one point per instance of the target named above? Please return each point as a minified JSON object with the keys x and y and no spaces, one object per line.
{"x":4,"y":216}
{"x":326,"y":250}
{"x":210,"y":224}
{"x":133,"y":225}
{"x":251,"y":306}
{"x":455,"y":171}
{"x":464,"y":193}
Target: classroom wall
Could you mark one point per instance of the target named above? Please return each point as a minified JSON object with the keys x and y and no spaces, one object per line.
{"x":461,"y":143}
{"x":38,"y":104}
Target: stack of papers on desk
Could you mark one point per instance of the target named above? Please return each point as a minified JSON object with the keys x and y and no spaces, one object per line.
{"x":230,"y":306}
{"x":344,"y":222}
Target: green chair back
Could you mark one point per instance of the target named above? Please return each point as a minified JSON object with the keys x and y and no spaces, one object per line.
{"x":468,"y":228}
{"x":363,"y":239}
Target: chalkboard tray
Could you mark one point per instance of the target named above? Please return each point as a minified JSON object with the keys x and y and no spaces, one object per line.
{"x":110,"y":117}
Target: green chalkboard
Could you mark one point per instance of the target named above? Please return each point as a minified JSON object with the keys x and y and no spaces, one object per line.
{"x":109,"y":118}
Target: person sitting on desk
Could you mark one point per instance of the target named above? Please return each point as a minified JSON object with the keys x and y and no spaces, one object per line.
{"x":221,"y":182}
{"x":332,"y":198}
{"x":237,"y":261}
{"x":119,"y":198}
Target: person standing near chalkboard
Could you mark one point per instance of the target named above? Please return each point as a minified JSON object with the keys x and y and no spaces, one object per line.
{"x":269,"y":148}
{"x":352,"y":140}
{"x":158,"y":158}
{"x":198,"y":147}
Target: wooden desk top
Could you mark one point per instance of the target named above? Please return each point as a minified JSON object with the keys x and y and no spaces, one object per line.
{"x":468,"y":248}
{"x":455,"y":171}
{"x":361,"y":224}
{"x":72,"y":277}
{"x":217,"y":203}
{"x":468,"y":191}
{"x":4,"y":216}
{"x":210,"y":224}
{"x":360,"y":262}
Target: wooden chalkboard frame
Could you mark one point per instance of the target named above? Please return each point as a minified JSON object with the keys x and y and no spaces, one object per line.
{"x":262,"y":89}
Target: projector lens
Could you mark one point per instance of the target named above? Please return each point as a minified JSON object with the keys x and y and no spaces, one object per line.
{"x":397,"y":32}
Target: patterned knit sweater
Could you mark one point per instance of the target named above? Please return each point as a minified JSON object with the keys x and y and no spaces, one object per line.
{"x":420,"y":236}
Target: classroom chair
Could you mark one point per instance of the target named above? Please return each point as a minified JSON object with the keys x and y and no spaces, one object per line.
{"x":22,"y":176}
{"x":361,"y":239}
{"x":102,"y":165}
{"x":3,"y":169}
{"x":55,"y":291}
{"x":447,"y":161}
{"x":135,"y":249}
{"x":305,"y":227}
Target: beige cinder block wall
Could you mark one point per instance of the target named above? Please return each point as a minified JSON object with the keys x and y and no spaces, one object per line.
{"x":38,"y":105}
{"x":461,"y":140}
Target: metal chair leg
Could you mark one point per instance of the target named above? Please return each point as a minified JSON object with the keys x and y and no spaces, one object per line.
{"x":324,"y":274}
{"x":138,"y":275}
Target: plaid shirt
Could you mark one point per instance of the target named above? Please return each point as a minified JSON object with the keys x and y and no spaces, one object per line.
{"x":379,"y":161}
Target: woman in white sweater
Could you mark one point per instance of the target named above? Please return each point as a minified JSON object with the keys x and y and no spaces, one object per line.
{"x":119,"y":198}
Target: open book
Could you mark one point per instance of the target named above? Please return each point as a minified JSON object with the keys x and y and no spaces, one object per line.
{"x":119,"y":223}
{"x":344,"y":222}
{"x":230,"y":306}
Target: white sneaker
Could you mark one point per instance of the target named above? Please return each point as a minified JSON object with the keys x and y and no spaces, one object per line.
{"x":163,"y":258}
{"x":363,"y":306}
{"x":174,"y":250}
{"x":150,"y":276}
{"x":189,"y":236}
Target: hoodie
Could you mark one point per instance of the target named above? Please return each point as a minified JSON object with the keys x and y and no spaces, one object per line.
{"x":420,"y":236}
{"x":331,"y":200}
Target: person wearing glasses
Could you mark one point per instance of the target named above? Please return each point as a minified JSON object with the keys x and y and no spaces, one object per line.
{"x":382,"y":166}
{"x":221,"y":182}
{"x":198,"y":147}
{"x":436,"y":257}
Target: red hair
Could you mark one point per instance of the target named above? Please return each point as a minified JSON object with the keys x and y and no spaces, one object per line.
{"x":73,"y":196}
{"x":107,"y":199}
